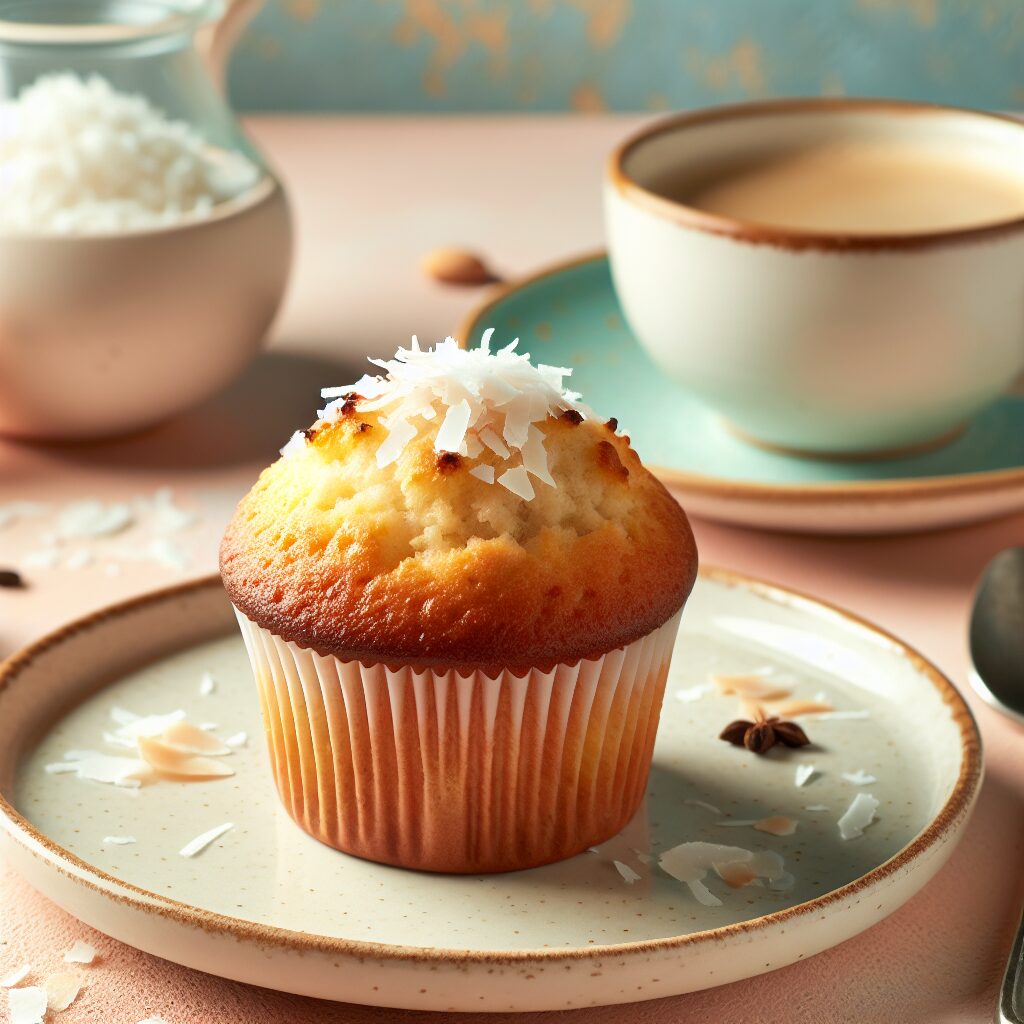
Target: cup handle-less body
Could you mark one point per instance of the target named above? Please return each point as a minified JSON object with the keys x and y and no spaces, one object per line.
{"x":216,"y":40}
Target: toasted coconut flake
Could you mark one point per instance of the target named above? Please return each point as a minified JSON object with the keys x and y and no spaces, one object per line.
{"x":190,"y":739}
{"x":803,"y":774}
{"x":238,"y":739}
{"x":119,"y":840}
{"x":201,"y":842}
{"x":690,"y":863}
{"x":737,"y":875}
{"x":858,"y":816}
{"x":171,"y":761}
{"x":793,"y":708}
{"x":61,"y":991}
{"x":80,"y":953}
{"x":777,"y":825}
{"x":207,"y":684}
{"x":751,"y":687}
{"x":859,"y":777}
{"x":629,"y":876}
{"x":16,"y":977}
{"x":26,"y":1005}
{"x":703,"y":804}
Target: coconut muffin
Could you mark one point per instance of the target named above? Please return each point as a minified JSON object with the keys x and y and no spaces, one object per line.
{"x":460,"y":591}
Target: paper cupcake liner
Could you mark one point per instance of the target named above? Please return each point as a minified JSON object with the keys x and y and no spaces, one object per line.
{"x":461,"y":773}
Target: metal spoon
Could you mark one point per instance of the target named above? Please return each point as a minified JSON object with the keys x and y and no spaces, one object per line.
{"x":997,"y":653}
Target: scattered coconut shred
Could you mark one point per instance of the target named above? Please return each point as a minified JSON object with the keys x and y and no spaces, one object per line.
{"x":79,"y":157}
{"x":164,"y":746}
{"x":489,"y":401}
{"x":858,"y":816}
{"x":737,"y":867}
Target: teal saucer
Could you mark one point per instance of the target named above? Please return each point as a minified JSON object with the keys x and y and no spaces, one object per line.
{"x":569,"y":316}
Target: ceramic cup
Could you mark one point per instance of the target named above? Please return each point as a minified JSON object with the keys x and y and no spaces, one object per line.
{"x":806,"y":340}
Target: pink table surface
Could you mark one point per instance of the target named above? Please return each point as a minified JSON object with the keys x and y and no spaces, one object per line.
{"x":370,"y":195}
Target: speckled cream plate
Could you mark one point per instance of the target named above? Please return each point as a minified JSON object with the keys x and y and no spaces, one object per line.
{"x":568,"y":315}
{"x":268,"y":905}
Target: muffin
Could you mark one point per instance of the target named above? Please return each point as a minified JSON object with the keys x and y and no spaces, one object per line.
{"x":460,"y":592}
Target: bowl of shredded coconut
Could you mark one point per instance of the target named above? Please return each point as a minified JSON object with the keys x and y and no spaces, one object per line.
{"x":144,"y":245}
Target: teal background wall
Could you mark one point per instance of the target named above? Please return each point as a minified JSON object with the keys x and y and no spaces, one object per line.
{"x":482,"y":55}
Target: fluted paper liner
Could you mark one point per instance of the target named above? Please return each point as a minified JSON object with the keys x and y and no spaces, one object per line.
{"x":463,"y":773}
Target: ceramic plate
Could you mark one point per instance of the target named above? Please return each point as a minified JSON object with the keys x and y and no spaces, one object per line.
{"x":569,"y":316}
{"x":266,"y":904}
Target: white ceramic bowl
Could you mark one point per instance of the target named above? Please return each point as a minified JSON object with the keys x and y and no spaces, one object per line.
{"x":104,"y":334}
{"x":825,"y":343}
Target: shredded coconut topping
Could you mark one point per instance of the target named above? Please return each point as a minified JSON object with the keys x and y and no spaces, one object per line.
{"x":481,"y":401}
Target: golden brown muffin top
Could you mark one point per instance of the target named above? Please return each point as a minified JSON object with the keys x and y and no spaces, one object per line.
{"x":391,"y":551}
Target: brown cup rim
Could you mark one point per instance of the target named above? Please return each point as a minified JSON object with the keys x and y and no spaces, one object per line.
{"x":792,"y":238}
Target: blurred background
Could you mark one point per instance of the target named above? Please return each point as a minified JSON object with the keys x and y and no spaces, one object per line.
{"x":628,"y":55}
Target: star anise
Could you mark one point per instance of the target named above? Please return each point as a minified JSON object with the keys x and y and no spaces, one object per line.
{"x":760,"y":735}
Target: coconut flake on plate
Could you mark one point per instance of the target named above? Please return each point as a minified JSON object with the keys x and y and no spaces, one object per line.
{"x":201,"y":842}
{"x":795,"y":708}
{"x":16,"y":977}
{"x":777,"y":825}
{"x":817,"y":807}
{"x":119,"y":840}
{"x":629,"y":876}
{"x":80,"y":953}
{"x":803,"y":774}
{"x":61,"y":991}
{"x":93,"y":766}
{"x":190,"y":739}
{"x":692,"y":694}
{"x":26,"y":1005}
{"x":703,"y":804}
{"x":207,"y":684}
{"x":858,"y":816}
{"x":839,"y":716}
{"x":131,"y":726}
{"x":485,"y":402}
{"x":238,"y":739}
{"x":751,"y":686}
{"x":690,"y":862}
{"x":180,"y":763}
{"x":859,"y":777}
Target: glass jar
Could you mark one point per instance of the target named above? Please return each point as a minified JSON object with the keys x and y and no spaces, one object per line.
{"x":112,"y":322}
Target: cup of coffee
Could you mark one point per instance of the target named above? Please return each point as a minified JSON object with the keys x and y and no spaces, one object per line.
{"x":833,"y":276}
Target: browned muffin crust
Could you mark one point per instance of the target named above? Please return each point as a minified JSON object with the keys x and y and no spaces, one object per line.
{"x":345,"y":566}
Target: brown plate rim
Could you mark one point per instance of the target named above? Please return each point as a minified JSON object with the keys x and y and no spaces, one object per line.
{"x":954,"y":811}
